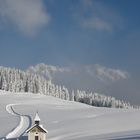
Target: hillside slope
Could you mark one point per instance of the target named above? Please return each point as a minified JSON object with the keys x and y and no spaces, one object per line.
{"x":67,"y":119}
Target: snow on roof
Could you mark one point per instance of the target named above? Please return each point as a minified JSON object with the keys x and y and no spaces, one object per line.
{"x":43,"y":128}
{"x":37,"y":118}
{"x":39,"y":127}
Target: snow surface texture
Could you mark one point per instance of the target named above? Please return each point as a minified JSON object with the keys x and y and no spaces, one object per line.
{"x":66,"y":120}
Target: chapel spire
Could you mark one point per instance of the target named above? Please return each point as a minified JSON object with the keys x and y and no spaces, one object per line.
{"x":37,"y":118}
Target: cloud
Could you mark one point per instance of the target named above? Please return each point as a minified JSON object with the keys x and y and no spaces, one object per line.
{"x":28,"y":16}
{"x":95,"y":73}
{"x":106,"y":74}
{"x":96,"y":15}
{"x":97,"y":23}
{"x":47,"y":70}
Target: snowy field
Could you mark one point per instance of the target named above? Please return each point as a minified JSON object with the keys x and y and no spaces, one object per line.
{"x":65,"y":120}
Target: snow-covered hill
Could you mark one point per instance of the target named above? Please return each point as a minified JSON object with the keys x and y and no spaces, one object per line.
{"x":67,"y":119}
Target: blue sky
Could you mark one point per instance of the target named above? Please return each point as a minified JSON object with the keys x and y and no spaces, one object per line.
{"x":71,"y":32}
{"x":64,"y":40}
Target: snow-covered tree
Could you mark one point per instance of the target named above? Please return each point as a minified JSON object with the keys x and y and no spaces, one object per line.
{"x":72,"y":96}
{"x":15,"y":80}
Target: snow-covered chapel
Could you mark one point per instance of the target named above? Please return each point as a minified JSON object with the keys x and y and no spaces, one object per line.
{"x":37,"y":132}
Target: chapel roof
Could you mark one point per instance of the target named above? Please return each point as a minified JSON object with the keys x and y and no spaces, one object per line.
{"x":40,"y":127}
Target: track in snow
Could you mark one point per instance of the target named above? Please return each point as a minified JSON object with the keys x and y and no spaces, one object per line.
{"x":133,"y":137}
{"x":24,"y":124}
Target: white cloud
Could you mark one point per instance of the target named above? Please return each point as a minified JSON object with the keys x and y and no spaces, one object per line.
{"x":106,"y":74}
{"x":95,"y":73}
{"x":97,"y":15}
{"x":27,"y":15}
{"x":47,"y":70}
{"x":97,"y":23}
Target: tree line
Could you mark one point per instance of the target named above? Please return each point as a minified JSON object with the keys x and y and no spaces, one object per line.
{"x":15,"y":80}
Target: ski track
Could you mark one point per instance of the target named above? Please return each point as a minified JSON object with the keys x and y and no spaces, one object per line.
{"x":24,"y":124}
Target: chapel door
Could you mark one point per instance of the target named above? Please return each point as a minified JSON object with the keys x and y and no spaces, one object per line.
{"x":36,"y":138}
